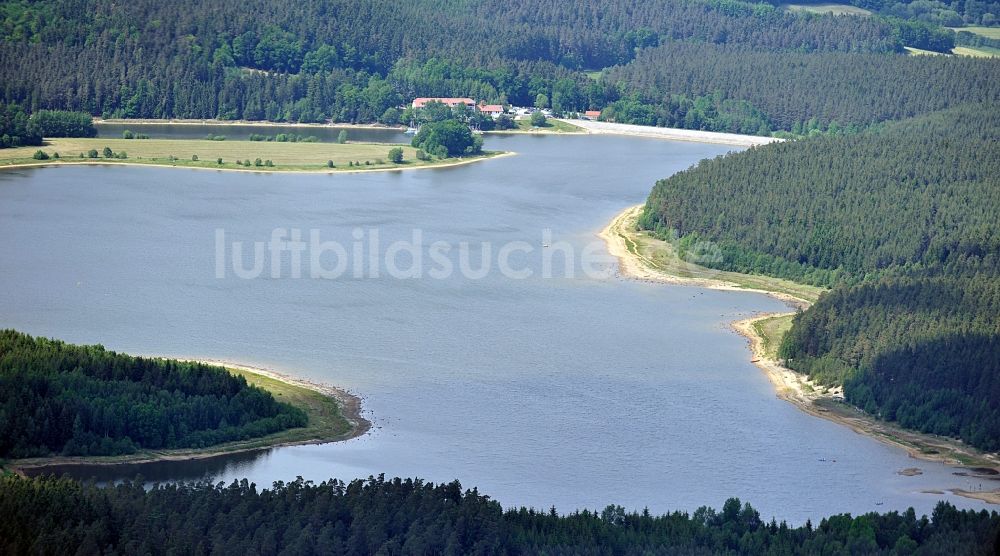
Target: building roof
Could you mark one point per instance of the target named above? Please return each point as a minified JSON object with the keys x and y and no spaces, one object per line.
{"x":450,"y":101}
{"x":491,"y":108}
{"x":592,"y":113}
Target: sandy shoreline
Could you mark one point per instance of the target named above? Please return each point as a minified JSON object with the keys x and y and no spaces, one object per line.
{"x":349,"y":404}
{"x":816,"y":400}
{"x":638,"y":267}
{"x":673,"y":134}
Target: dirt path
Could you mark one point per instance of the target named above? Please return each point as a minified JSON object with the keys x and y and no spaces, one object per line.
{"x":673,"y":134}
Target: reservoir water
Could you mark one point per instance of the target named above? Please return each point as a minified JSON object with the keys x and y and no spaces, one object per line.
{"x":563,"y":388}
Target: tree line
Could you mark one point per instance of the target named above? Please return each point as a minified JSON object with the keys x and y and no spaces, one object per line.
{"x":792,"y":91}
{"x":407,"y":516}
{"x":18,"y":129}
{"x":354,"y":61}
{"x":63,"y":399}
{"x":901,"y":222}
{"x":921,"y":349}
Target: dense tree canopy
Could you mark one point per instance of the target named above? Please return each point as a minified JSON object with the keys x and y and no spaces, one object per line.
{"x":921,"y":349}
{"x":902,"y":221}
{"x":60,"y":123}
{"x":379,"y":516}
{"x":356,"y":61}
{"x":16,"y":128}
{"x":58,"y":398}
{"x":925,"y":191}
{"x":447,"y":138}
{"x":792,"y":91}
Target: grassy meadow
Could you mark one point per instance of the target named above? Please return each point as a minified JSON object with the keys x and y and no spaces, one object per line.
{"x":288,"y":156}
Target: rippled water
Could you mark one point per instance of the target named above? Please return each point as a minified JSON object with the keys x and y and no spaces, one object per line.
{"x":574,"y":391}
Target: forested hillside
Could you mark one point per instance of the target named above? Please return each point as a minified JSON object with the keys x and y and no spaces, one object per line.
{"x":795,"y":91}
{"x":902,"y":221}
{"x":378,"y":516}
{"x":57,"y":398}
{"x":353,"y":60}
{"x":921,"y":349}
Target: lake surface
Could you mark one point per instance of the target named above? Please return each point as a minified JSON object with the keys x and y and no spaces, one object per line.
{"x":577,"y":390}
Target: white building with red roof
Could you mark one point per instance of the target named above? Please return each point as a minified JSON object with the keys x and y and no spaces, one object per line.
{"x":447,"y":101}
{"x":494,"y":110}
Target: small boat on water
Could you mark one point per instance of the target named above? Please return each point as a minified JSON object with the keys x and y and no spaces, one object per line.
{"x":411,"y":131}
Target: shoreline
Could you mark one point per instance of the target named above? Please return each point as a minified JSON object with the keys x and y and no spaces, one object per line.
{"x":638,"y":267}
{"x":348,"y":406}
{"x":255,"y":169}
{"x":797,"y":389}
{"x":672,"y":133}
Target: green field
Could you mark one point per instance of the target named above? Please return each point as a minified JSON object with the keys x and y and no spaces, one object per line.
{"x":835,"y":9}
{"x":285,"y":156}
{"x":918,"y":52}
{"x":552,"y":125}
{"x":988,"y":32}
{"x":976,"y":51}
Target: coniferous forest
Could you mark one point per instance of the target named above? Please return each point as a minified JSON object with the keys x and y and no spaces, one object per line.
{"x":902,"y":222}
{"x":722,"y":65}
{"x":380,"y":516}
{"x":62,"y":399}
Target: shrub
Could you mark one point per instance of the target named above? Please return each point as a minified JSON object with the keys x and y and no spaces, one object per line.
{"x":258,"y":162}
{"x":128,"y":135}
{"x":122,"y":155}
{"x":329,"y":164}
{"x":92,"y":153}
{"x":40,"y":155}
{"x":194,"y":158}
{"x":218,"y":160}
{"x":108,"y":153}
{"x":396,"y":155}
{"x":422,"y":155}
{"x":268,"y":163}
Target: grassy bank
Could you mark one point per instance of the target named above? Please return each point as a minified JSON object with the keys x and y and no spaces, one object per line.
{"x":551,"y":125}
{"x":302,"y":157}
{"x":654,"y":258}
{"x":771,"y":330}
{"x":333,"y":415}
